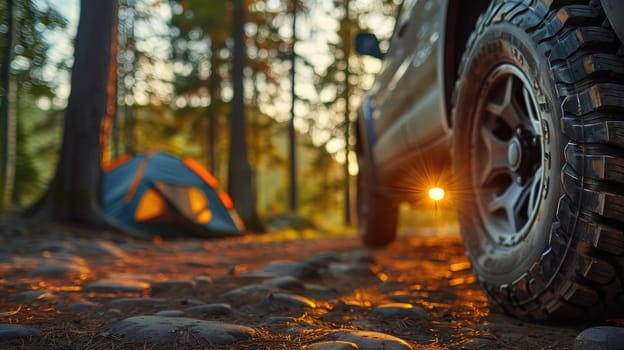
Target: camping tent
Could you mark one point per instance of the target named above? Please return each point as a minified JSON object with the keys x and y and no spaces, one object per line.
{"x":160,"y":194}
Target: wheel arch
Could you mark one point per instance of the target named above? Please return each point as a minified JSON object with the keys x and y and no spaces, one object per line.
{"x":461,"y":19}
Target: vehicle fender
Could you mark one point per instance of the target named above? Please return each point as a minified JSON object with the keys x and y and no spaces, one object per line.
{"x":614,"y":9}
{"x":366,"y":135}
{"x":369,"y":128}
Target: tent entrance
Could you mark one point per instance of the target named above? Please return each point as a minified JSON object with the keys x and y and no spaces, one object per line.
{"x":173,"y":205}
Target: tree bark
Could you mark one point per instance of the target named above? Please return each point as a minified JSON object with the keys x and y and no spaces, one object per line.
{"x":74,"y":193}
{"x":239,"y":169}
{"x":213,"y":89}
{"x":5,"y":122}
{"x":347,"y":117}
{"x":292,"y":135}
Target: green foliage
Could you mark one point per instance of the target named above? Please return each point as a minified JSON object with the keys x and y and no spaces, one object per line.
{"x":210,"y":16}
{"x":29,"y":62}
{"x":38,"y":143}
{"x":30,"y":47}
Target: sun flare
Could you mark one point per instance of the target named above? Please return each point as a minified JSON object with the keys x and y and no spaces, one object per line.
{"x":436,"y":193}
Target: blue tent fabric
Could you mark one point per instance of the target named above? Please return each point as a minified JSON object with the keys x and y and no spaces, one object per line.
{"x":120,"y":199}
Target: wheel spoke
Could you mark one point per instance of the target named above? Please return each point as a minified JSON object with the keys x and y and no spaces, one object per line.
{"x":506,"y":109}
{"x":496,"y":157}
{"x":507,"y":168}
{"x":530,"y":107}
{"x":532,"y":116}
{"x":495,"y":108}
{"x":511,"y":202}
{"x":535,"y":191}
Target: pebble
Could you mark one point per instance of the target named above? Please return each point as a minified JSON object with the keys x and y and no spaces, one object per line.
{"x":210,"y":309}
{"x":297,"y":270}
{"x":367,"y":340}
{"x":600,"y":338}
{"x":114,"y":312}
{"x":400,"y":310}
{"x":170,"y":313}
{"x":82,"y":306}
{"x":289,"y":301}
{"x":190,"y":302}
{"x":286,"y":283}
{"x":132,"y":277}
{"x":58,"y":270}
{"x":128,"y":302}
{"x":116,"y":286}
{"x":179,"y":330}
{"x":319,"y":288}
{"x":173,"y":286}
{"x":17,"y":331}
{"x":249,"y":294}
{"x":30,"y":296}
{"x":332,"y":345}
{"x":357,"y":269}
{"x":203,"y":281}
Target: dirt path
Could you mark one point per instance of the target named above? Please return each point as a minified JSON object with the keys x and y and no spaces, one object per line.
{"x":77,"y":293}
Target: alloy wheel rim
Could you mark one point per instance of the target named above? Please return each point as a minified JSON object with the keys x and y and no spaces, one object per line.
{"x":507,"y":155}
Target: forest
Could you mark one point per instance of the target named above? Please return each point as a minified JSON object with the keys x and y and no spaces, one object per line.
{"x":260,"y":92}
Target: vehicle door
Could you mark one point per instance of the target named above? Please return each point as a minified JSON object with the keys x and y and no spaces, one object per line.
{"x":409,"y":74}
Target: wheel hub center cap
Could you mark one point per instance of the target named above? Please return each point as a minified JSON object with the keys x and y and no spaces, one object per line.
{"x":514,"y":154}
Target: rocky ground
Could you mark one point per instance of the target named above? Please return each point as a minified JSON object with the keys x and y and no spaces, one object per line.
{"x":60,"y":289}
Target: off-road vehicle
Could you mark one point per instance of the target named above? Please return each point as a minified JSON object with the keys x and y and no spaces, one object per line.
{"x":517,"y":109}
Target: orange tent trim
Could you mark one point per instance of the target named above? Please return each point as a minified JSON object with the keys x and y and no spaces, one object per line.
{"x":201,"y":172}
{"x":135,"y":182}
{"x":124,"y":158}
{"x":226,"y":200}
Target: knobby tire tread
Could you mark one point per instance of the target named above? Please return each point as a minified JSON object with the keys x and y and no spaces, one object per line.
{"x":581,"y":273}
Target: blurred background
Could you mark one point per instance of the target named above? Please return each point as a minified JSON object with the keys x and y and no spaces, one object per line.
{"x":302,"y":83}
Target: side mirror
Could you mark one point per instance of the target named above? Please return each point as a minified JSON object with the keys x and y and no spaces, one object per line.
{"x":368,"y":44}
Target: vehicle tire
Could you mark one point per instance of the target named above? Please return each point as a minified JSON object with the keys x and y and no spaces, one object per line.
{"x":538,"y":152}
{"x":377,"y":214}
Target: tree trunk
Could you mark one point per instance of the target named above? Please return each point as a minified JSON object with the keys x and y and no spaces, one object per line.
{"x":213,"y":89}
{"x":292,"y":149}
{"x":5,"y":121}
{"x":239,"y":169}
{"x":347,"y":117}
{"x":129,"y":109}
{"x":74,"y":194}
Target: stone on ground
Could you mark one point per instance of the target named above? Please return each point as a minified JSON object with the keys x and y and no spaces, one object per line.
{"x":367,"y":340}
{"x":332,"y":345}
{"x":116,"y":286}
{"x":17,"y":331}
{"x":217,"y":309}
{"x":179,"y":330}
{"x":600,"y":338}
{"x":299,"y":270}
{"x":400,"y":310}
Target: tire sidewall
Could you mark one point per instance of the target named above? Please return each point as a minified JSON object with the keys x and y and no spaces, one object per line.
{"x":377,"y":214}
{"x":497,"y":44}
